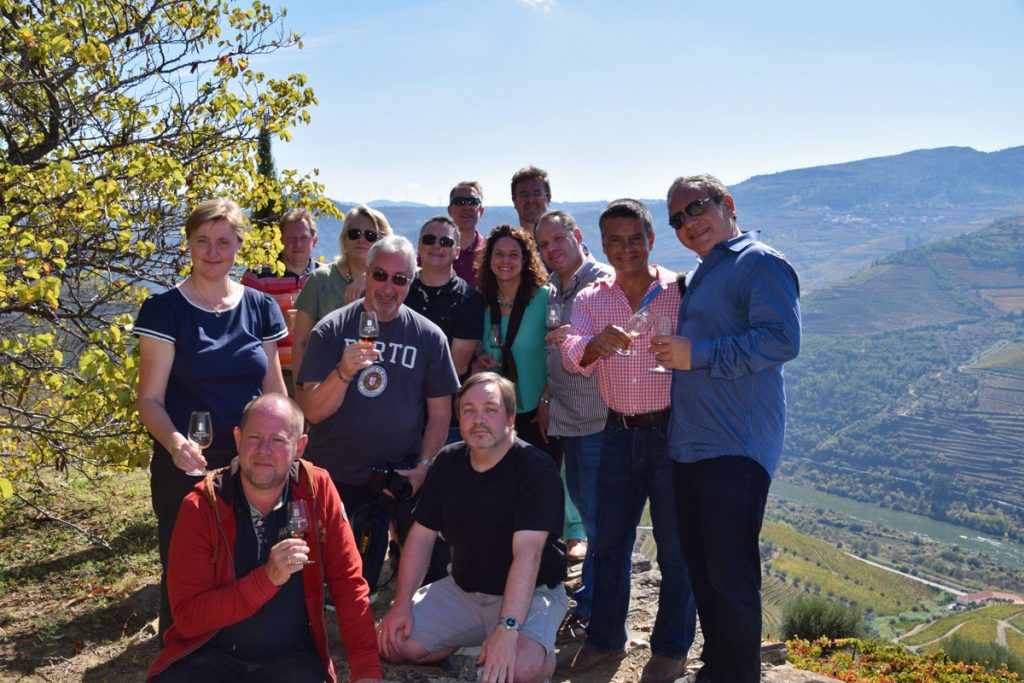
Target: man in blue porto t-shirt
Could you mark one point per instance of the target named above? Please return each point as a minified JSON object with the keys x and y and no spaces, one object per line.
{"x":377,"y":404}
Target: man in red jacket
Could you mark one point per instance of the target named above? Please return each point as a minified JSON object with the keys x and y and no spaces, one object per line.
{"x":247,"y":605}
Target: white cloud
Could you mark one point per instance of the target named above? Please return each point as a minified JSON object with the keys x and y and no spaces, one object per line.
{"x":543,"y":5}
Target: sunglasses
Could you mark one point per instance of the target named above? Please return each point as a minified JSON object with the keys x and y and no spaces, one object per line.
{"x":698,"y":207}
{"x":466,"y":201}
{"x":429,"y":240}
{"x":399,"y":279}
{"x":368,"y":235}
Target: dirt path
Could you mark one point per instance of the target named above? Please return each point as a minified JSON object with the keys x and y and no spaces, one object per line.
{"x":1001,"y":626}
{"x":947,"y":634}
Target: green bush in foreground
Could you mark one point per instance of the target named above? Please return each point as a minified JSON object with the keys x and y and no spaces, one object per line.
{"x":990,"y":655}
{"x":811,"y":616}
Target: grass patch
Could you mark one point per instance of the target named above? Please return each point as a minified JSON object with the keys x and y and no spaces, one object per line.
{"x":63,"y":596}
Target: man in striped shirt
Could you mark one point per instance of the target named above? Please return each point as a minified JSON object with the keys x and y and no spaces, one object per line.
{"x":606,"y":340}
{"x":572,"y":404}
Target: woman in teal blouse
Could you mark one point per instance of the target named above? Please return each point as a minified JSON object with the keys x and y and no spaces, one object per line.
{"x":512,"y":283}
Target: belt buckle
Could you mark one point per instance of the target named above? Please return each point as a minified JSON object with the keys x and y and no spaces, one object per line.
{"x":624,"y":420}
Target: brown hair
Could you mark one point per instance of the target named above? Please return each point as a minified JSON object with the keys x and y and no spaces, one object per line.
{"x":530,"y":173}
{"x":218,"y":209}
{"x":532,"y":278}
{"x":296,"y":215}
{"x":505,"y":386}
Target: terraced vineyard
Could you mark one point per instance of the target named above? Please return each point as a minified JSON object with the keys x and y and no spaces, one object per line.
{"x":909,"y":392}
{"x":798,"y":563}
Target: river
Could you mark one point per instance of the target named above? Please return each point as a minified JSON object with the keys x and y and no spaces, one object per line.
{"x":1008,"y":553}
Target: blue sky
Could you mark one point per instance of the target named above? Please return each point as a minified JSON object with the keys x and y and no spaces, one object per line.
{"x":618,"y":98}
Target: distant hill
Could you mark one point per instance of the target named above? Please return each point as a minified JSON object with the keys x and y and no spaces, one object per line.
{"x":909,"y":390}
{"x":831,"y":221}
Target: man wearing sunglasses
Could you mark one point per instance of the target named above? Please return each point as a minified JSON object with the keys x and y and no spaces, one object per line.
{"x":739,"y":321}
{"x":442,"y":296}
{"x":366,"y":401}
{"x":466,"y":206}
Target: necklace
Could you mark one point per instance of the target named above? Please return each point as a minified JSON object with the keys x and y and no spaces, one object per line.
{"x":206,"y":301}
{"x":505,"y":304}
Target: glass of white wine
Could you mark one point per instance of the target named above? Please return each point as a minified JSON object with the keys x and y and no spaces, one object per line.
{"x":200,"y":432}
{"x":554,"y":317}
{"x":662,"y":327}
{"x":635,"y":326}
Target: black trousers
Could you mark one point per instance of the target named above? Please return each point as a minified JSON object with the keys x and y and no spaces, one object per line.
{"x":370,"y":517}
{"x":168,"y":486}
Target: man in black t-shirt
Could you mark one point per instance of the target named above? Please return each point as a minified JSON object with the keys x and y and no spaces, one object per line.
{"x":498,"y":502}
{"x":442,"y":296}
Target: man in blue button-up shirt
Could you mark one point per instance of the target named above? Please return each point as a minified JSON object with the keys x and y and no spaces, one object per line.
{"x":739,"y":321}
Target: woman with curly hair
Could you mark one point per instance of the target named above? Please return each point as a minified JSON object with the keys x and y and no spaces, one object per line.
{"x":513,"y":285}
{"x":328,"y":286}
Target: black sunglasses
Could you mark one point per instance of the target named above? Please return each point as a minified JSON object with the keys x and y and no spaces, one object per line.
{"x":429,"y":240}
{"x":368,"y":235}
{"x":466,"y":201}
{"x":400,"y":279}
{"x":698,"y":207}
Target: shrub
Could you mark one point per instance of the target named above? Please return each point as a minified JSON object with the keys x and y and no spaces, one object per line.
{"x":810,"y":617}
{"x":990,"y":655}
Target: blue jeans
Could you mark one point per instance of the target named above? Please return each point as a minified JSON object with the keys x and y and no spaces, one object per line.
{"x":721,"y":506}
{"x":634,"y":467}
{"x":582,"y":455}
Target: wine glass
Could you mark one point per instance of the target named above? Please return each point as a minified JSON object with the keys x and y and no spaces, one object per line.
{"x":662,"y":327}
{"x":200,"y":432}
{"x":495,"y":341}
{"x":554,"y":317}
{"x":369,"y":328}
{"x":635,"y":326}
{"x":298,"y":521}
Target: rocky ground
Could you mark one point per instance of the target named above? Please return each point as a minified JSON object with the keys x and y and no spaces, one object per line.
{"x":131,"y":662}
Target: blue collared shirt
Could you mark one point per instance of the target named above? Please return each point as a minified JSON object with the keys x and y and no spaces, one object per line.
{"x":742,"y":311}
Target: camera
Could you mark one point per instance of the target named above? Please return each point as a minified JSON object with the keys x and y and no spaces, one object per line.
{"x":385,"y":478}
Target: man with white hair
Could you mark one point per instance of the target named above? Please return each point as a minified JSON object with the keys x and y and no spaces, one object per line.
{"x":366,"y":400}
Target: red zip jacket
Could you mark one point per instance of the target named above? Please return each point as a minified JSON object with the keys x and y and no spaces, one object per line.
{"x":205,"y":595}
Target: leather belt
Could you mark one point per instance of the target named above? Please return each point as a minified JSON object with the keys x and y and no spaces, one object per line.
{"x":658,"y":418}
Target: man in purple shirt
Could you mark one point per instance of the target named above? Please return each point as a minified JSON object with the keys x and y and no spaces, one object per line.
{"x":466,"y":206}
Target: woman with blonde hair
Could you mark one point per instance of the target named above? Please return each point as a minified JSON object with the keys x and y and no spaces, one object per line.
{"x":208,"y":344}
{"x":328,"y":288}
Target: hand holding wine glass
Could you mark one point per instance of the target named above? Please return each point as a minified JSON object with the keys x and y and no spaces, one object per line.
{"x":200,"y":433}
{"x":634,"y":327}
{"x":554,"y":317}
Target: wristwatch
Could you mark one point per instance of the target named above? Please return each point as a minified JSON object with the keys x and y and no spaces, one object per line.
{"x":510,"y":623}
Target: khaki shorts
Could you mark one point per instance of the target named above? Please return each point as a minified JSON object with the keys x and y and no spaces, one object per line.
{"x":445,"y":616}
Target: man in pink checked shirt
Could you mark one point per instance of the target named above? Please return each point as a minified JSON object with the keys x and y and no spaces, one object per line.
{"x":634,"y":450}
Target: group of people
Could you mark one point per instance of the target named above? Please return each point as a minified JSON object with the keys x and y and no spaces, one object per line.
{"x":503,"y":371}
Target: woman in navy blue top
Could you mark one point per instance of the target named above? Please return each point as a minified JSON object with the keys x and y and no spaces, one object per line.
{"x":208,"y":344}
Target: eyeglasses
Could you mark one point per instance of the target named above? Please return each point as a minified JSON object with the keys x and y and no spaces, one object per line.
{"x":697,"y":207}
{"x":466,"y":201}
{"x":399,"y":279}
{"x":429,"y":240}
{"x":368,"y":235}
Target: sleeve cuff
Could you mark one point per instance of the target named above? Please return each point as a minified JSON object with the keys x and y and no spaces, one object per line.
{"x":700,"y":354}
